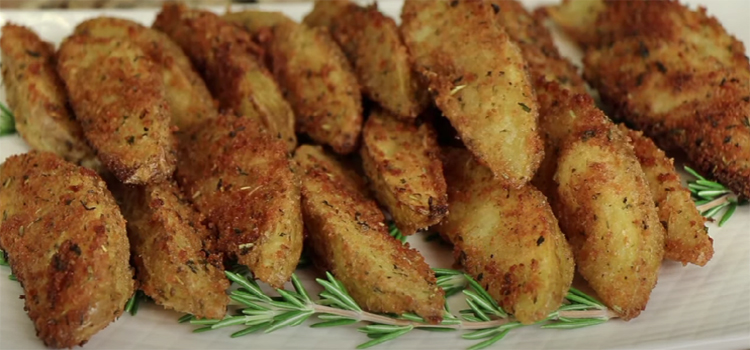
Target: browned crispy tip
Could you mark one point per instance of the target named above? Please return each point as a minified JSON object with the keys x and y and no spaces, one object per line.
{"x":37,"y":97}
{"x":76,"y":279}
{"x":118,"y":96}
{"x":346,"y":232}
{"x":238,"y":175}
{"x":170,"y":248}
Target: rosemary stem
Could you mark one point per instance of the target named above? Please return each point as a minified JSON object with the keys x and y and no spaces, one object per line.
{"x":714,"y":203}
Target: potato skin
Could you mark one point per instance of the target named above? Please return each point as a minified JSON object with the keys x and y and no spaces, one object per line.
{"x":238,"y":175}
{"x":373,"y":45}
{"x":687,"y":238}
{"x":118,"y":96}
{"x":402,"y":162}
{"x":173,"y":265}
{"x":606,"y":210}
{"x":507,"y":239}
{"x":319,"y":83}
{"x":37,"y":97}
{"x":77,"y":280}
{"x":187,"y":94}
{"x":230,"y":63}
{"x":346,"y":233}
{"x":480,"y":83}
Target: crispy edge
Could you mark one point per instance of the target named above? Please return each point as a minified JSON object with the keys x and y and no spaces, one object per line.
{"x":687,"y":238}
{"x":37,"y":97}
{"x":604,"y":205}
{"x":402,"y":162}
{"x":118,"y":96}
{"x":507,"y":239}
{"x":239,"y":177}
{"x":466,"y":64}
{"x":346,"y":232}
{"x":319,"y":84}
{"x":85,"y":263}
{"x":230,"y":62}
{"x":169,"y":246}
{"x":187,"y":94}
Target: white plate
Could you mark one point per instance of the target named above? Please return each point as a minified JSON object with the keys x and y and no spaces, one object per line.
{"x":691,"y":307}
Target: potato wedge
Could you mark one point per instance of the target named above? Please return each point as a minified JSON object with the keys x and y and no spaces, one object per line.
{"x":480,"y":81}
{"x":346,"y":233}
{"x":37,"y":97}
{"x":187,"y":94}
{"x":319,"y":83}
{"x":372,"y":44}
{"x":507,"y":239}
{"x":687,"y":238}
{"x":119,"y":98}
{"x":230,"y":63}
{"x":239,"y":177}
{"x":172,"y":264}
{"x":402,"y":162}
{"x":606,"y":210}
{"x":67,"y":245}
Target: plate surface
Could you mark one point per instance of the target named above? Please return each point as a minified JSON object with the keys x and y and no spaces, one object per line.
{"x":691,"y":307}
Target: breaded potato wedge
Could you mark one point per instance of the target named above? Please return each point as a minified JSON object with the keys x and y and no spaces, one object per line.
{"x":480,"y":83}
{"x":605,"y":208}
{"x":256,"y":21}
{"x":348,"y":238}
{"x":230,"y":63}
{"x":170,"y":252}
{"x":118,"y":96}
{"x":507,"y":239}
{"x":319,"y":83}
{"x":682,"y":99}
{"x":402,"y":162}
{"x":372,"y":44}
{"x":67,"y":244}
{"x":37,"y":97}
{"x":578,"y":18}
{"x":544,"y":61}
{"x":687,"y":238}
{"x":187,"y":94}
{"x":238,"y":175}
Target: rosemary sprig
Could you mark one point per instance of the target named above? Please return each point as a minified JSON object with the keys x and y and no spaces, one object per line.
{"x":7,"y":121}
{"x":134,"y":302}
{"x":4,"y":262}
{"x":711,"y":197}
{"x":485,"y":318}
{"x":395,"y":232}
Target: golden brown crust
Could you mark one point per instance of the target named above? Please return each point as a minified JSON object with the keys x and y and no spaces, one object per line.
{"x":67,"y":245}
{"x":319,"y":83}
{"x":402,"y":162}
{"x":480,"y":81}
{"x":230,"y":63}
{"x":348,"y":237}
{"x":238,"y":175}
{"x":606,"y":209}
{"x":118,"y":96}
{"x":37,"y":97}
{"x":682,"y":98}
{"x":507,"y":239}
{"x":687,"y":238}
{"x":187,"y":94}
{"x":173,"y":265}
{"x":372,"y":44}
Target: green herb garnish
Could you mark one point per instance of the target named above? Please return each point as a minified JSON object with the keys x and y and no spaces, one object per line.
{"x":395,"y":232}
{"x":486,"y":320}
{"x":7,"y":121}
{"x":712,"y":197}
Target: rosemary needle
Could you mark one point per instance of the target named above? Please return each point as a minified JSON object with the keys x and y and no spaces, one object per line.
{"x":7,"y":121}
{"x":712,"y":197}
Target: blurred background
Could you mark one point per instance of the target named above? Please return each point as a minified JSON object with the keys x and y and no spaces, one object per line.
{"x":122,"y":4}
